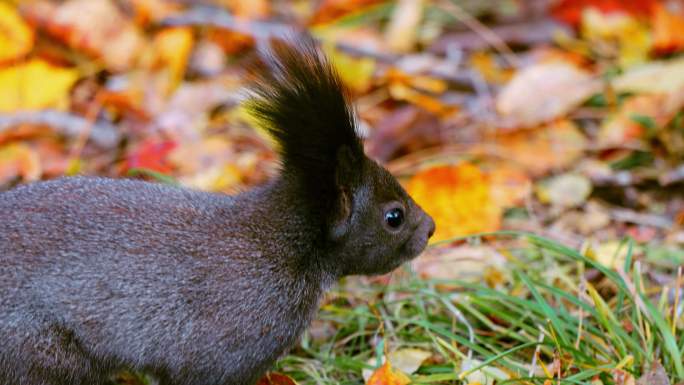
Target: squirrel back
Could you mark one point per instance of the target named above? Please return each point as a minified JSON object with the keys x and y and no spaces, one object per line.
{"x":99,"y":275}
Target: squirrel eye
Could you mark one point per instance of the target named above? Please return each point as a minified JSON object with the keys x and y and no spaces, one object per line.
{"x":394,"y":218}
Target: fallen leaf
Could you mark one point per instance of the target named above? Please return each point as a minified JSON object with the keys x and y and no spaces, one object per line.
{"x":401,"y":31}
{"x":487,"y":375}
{"x":458,"y":262}
{"x":458,"y":198}
{"x":330,"y":10}
{"x":16,"y":37}
{"x":543,"y":92}
{"x":18,"y":160}
{"x":151,"y":155}
{"x":570,"y":11}
{"x":640,"y":117}
{"x":668,"y":28}
{"x":386,"y":375}
{"x":655,"y":77}
{"x":249,"y":9}
{"x":565,"y":190}
{"x":172,"y":49}
{"x":96,"y":27}
{"x":656,"y":375}
{"x":276,"y":379}
{"x":356,"y":73}
{"x":35,"y":85}
{"x":408,"y":360}
{"x":551,"y":147}
{"x":617,"y":34}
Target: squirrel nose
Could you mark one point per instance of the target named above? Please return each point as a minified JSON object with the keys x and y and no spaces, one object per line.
{"x":431,"y":230}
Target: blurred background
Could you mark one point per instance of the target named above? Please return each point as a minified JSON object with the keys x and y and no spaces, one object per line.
{"x":558,"y":117}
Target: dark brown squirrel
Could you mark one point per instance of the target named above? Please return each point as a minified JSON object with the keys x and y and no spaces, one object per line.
{"x":100,"y":275}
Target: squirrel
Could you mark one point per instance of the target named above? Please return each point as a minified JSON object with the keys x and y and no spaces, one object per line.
{"x":100,"y":275}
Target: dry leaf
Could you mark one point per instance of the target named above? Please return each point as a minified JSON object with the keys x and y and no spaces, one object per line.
{"x":656,"y":375}
{"x":276,"y":379}
{"x":625,"y":126}
{"x":356,"y":73}
{"x":544,"y":92}
{"x":35,"y":85}
{"x":172,"y":49}
{"x":403,"y":26}
{"x":16,"y":37}
{"x":460,"y":262}
{"x":408,"y":360}
{"x":95,"y":26}
{"x":668,"y":28}
{"x":459,"y":199}
{"x":565,"y":190}
{"x":486,"y":375}
{"x":654,"y":77}
{"x":541,"y":150}
{"x":19,"y":160}
{"x":619,"y":31}
{"x":386,"y":375}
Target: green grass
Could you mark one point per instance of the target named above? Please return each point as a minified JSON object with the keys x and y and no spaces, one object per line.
{"x":545,"y":308}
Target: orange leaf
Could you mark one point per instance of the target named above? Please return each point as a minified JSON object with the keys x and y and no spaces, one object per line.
{"x":386,"y":375}
{"x":16,"y":38}
{"x":276,"y":379}
{"x":668,"y":29}
{"x":459,"y":198}
{"x":543,"y":149}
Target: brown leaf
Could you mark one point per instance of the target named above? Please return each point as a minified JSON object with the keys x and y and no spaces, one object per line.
{"x":540,"y":150}
{"x":656,"y":375}
{"x":96,"y":27}
{"x":543,"y":92}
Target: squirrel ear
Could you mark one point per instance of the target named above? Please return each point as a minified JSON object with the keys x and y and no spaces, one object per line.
{"x":347,"y":178}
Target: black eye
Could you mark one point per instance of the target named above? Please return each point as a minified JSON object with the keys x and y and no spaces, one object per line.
{"x":394,"y":217}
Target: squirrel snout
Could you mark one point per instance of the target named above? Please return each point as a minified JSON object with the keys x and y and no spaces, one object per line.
{"x":431,"y":226}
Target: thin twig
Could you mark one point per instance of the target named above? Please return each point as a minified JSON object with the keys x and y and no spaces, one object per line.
{"x":485,"y":32}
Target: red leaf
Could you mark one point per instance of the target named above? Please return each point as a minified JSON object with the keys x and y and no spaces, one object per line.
{"x":152,"y":155}
{"x":570,"y":11}
{"x":276,"y":379}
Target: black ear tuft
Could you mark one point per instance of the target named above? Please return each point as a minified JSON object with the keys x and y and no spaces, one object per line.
{"x":299,"y":99}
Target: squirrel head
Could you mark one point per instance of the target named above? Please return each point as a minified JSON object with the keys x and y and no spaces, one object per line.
{"x":367,"y":222}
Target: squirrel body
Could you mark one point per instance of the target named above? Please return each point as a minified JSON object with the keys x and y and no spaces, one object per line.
{"x":99,"y":275}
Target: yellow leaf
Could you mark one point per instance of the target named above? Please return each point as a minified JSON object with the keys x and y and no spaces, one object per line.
{"x":173,"y":47}
{"x":408,"y":360}
{"x":356,"y":73}
{"x":386,"y":375}
{"x":459,"y":199}
{"x":35,"y":85}
{"x":631,"y":38}
{"x":401,"y":31}
{"x":16,"y":37}
{"x":19,"y":160}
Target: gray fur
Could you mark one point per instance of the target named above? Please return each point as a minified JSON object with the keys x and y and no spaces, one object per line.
{"x":98,"y":275}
